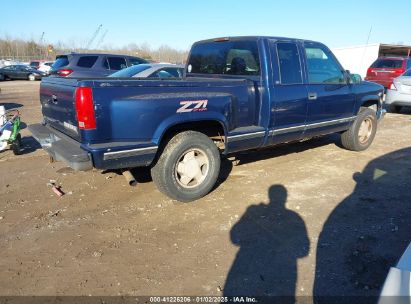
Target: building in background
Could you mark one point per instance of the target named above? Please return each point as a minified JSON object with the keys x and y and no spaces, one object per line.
{"x":357,"y":59}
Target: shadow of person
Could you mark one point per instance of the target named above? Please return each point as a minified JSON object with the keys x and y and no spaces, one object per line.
{"x":366,"y":233}
{"x":271,"y":239}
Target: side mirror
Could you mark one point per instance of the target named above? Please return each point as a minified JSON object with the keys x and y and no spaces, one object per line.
{"x":355,"y":78}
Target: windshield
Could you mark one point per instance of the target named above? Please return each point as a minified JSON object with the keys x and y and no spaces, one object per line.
{"x":228,"y":57}
{"x":131,"y":71}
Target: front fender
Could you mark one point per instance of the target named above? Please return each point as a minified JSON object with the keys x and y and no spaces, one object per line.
{"x":369,"y":99}
{"x":368,"y":93}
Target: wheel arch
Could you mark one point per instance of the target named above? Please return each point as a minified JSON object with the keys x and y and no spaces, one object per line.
{"x":213,"y":128}
{"x":370,"y":101}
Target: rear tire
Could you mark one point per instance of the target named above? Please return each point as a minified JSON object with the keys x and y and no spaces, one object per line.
{"x":188,"y":167}
{"x":31,"y":77}
{"x":395,"y":109}
{"x":362,"y":132}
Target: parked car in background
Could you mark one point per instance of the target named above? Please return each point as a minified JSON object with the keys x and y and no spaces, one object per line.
{"x":45,"y":66}
{"x":35,"y":64}
{"x":399,"y":93}
{"x":6,"y":62}
{"x":385,"y":69}
{"x":20,"y":72}
{"x":397,"y":287}
{"x":91,"y":65}
{"x":152,"y":70}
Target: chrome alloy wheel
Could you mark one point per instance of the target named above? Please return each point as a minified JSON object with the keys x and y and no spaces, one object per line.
{"x":365,"y":131}
{"x":192,"y":168}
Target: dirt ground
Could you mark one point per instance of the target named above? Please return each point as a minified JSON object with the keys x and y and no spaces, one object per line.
{"x":304,"y":219}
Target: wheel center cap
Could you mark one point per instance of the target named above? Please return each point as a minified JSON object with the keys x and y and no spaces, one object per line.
{"x":192,"y":168}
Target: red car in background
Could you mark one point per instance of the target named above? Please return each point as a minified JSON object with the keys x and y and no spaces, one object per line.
{"x":385,"y":69}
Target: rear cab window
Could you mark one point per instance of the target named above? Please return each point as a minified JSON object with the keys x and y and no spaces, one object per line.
{"x":86,"y":61}
{"x":115,"y":63}
{"x":237,"y":57}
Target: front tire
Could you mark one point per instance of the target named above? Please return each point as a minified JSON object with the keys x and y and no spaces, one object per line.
{"x":32,"y":77}
{"x":362,"y":132}
{"x":395,"y":109}
{"x":188,"y":167}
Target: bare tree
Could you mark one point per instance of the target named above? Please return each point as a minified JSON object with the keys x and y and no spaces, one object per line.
{"x":26,"y":50}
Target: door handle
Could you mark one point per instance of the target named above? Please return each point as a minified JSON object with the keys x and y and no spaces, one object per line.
{"x":312,"y":96}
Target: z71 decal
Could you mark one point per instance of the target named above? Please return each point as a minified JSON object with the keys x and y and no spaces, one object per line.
{"x":193,"y":106}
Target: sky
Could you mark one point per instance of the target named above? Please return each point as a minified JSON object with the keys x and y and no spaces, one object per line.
{"x":179,"y":23}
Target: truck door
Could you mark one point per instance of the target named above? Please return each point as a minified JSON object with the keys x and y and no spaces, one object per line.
{"x":330,"y":99}
{"x":288,"y":108}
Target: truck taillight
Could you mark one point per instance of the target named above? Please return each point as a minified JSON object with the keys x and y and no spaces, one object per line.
{"x":64,"y":72}
{"x":85,"y":108}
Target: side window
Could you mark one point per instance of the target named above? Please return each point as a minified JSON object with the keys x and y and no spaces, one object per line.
{"x":161,"y":74}
{"x":87,"y":61}
{"x":322,"y":67}
{"x":115,"y":63}
{"x":289,"y":63}
{"x":134,"y":61}
{"x":174,"y":72}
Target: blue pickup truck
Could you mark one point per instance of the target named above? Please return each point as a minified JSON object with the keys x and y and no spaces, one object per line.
{"x":238,"y":93}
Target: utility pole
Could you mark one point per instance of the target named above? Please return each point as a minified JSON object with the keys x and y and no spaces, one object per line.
{"x":365,"y":48}
{"x":94,"y":36}
{"x":41,"y":45}
{"x":101,"y":39}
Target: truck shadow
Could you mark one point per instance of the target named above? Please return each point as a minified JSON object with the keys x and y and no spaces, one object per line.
{"x":271,"y":239}
{"x":366,"y":233}
{"x":143,"y":175}
{"x":284,"y":149}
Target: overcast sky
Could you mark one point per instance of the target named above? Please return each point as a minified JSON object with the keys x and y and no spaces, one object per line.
{"x":179,"y":23}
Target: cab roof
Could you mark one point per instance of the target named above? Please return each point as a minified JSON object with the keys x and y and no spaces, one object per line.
{"x":235,"y":38}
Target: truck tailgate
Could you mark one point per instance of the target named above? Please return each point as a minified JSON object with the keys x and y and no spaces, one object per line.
{"x":57,"y":101}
